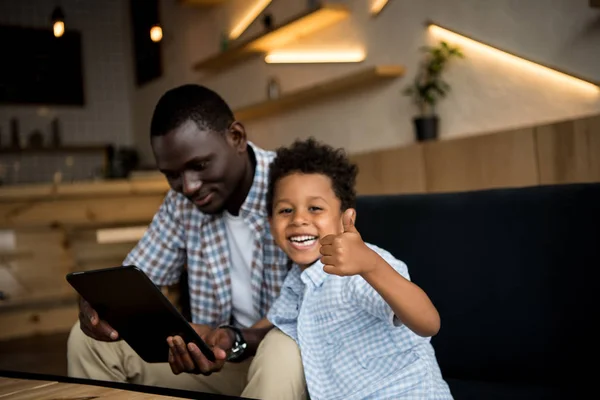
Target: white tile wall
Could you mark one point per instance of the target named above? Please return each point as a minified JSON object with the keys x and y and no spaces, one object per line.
{"x":108,"y":80}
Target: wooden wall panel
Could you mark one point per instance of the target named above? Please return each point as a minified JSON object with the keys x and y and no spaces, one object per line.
{"x":80,"y":212}
{"x":564,"y":152}
{"x":593,"y":131}
{"x":37,"y":320}
{"x":505,"y":159}
{"x":398,"y":170}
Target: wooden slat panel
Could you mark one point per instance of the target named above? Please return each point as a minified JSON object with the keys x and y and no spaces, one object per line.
{"x":124,"y":187}
{"x":89,"y":254}
{"x":563,"y":152}
{"x":37,"y":320}
{"x":80,"y":212}
{"x":505,"y":159}
{"x":400,"y":170}
{"x":42,"y":272}
{"x":593,"y":132}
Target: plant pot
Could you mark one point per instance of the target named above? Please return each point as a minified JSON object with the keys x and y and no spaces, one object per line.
{"x":426,"y":128}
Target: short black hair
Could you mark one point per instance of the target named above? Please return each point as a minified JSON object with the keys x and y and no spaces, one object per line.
{"x":190,"y":102}
{"x":312,"y":157}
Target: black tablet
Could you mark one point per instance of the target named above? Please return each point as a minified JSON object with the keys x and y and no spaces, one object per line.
{"x":132,"y":304}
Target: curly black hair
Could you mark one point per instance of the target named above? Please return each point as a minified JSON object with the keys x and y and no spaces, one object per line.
{"x":312,"y":157}
{"x":191,"y":102}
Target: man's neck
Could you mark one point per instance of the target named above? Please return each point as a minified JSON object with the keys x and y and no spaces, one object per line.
{"x":239,"y":196}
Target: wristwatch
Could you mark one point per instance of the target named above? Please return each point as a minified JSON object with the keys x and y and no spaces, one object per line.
{"x":239,"y":344}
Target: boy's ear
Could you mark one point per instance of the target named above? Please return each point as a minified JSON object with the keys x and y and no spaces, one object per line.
{"x":348,"y":220}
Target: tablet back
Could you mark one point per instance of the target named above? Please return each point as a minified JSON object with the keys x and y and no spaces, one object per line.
{"x":130,"y":302}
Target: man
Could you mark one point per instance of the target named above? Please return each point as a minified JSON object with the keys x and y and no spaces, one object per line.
{"x":214,"y":221}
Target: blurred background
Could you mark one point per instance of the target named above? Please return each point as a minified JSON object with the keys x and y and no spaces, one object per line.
{"x":427,"y":96}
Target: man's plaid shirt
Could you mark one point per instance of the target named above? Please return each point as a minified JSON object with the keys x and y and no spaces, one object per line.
{"x":180,"y":234}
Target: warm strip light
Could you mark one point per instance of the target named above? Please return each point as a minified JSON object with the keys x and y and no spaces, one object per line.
{"x":120,"y":235}
{"x":254,"y":12}
{"x":377,"y":6}
{"x":516,"y":61}
{"x":298,"y":57}
{"x":322,"y":18}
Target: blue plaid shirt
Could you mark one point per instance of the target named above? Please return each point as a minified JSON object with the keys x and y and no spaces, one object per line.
{"x":180,"y":234}
{"x":352,"y":345}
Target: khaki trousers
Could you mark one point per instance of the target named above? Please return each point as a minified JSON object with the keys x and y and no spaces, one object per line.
{"x":275,"y":372}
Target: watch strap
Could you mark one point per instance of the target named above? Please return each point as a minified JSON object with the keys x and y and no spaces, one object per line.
{"x":239,"y":343}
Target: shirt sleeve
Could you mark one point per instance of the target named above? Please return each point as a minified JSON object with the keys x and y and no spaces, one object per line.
{"x":160,"y":253}
{"x":284,"y":312}
{"x":364,"y":296}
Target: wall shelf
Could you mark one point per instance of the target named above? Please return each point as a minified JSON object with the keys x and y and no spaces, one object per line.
{"x":287,"y":32}
{"x":300,"y":97}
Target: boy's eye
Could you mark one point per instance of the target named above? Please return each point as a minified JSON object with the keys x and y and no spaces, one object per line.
{"x":285,"y":211}
{"x":314,"y":208}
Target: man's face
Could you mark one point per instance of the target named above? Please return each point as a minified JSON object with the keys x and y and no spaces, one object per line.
{"x":204,"y":166}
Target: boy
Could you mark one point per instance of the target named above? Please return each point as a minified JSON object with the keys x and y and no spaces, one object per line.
{"x":362,"y":327}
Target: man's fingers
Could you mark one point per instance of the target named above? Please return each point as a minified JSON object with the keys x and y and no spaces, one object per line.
{"x":94,"y":326}
{"x":184,"y":355}
{"x":88,"y":312}
{"x":173,"y":363}
{"x":103,"y":329}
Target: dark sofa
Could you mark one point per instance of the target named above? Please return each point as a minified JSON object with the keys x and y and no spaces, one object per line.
{"x":513,"y":274}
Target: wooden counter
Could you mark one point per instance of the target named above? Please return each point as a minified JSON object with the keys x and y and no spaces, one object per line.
{"x":47,"y":231}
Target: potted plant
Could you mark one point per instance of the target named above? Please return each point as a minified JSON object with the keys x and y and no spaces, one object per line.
{"x":428,"y":88}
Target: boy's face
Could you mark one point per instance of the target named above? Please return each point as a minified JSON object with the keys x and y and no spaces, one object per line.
{"x":305,"y":209}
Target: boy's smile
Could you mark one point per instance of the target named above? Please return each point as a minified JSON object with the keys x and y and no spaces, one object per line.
{"x":305,"y":209}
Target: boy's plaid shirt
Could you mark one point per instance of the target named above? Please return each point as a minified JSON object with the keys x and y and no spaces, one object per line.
{"x":180,"y":234}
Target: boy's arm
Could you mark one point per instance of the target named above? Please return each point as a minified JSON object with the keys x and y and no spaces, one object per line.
{"x":410,"y":303}
{"x":347,"y":254}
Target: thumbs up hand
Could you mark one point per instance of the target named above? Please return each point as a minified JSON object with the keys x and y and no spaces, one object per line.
{"x":346,"y":253}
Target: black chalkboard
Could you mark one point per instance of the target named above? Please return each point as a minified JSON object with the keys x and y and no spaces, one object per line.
{"x":38,"y":68}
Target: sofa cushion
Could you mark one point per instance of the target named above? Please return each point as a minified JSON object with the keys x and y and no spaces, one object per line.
{"x":475,"y":390}
{"x":511,"y":271}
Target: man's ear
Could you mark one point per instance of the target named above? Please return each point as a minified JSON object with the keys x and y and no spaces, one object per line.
{"x":236,"y":137}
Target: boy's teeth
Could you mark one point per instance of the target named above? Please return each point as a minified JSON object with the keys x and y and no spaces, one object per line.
{"x":302,"y":238}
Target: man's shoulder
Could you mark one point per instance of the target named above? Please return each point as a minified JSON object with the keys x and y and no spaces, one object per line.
{"x":263,"y":157}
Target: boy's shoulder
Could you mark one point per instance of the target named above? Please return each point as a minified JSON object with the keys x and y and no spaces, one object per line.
{"x":381,"y":251}
{"x":394,"y":262}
